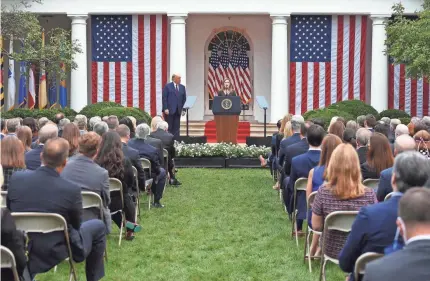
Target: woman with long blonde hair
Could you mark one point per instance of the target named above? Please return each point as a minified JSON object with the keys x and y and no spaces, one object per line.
{"x":288,"y":131}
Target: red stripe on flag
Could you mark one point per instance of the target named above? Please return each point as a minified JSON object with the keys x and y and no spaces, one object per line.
{"x":402,"y":87}
{"x":94,"y":77}
{"x":391,"y":86}
{"x":164,"y":52}
{"x":339,"y":76}
{"x":414,"y":97}
{"x":426,"y":97}
{"x":292,"y":87}
{"x":105,"y":81}
{"x":305,"y":78}
{"x":118,"y":82}
{"x":363,"y":58}
{"x":129,"y":84}
{"x":141,"y":62}
{"x":327,"y":84}
{"x":316,"y":85}
{"x":153,"y":25}
{"x":351,"y":57}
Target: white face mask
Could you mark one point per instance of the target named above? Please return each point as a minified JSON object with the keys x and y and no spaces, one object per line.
{"x":403,"y":226}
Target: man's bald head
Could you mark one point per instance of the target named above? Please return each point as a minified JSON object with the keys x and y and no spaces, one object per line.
{"x":154,"y":122}
{"x":49,"y":131}
{"x":401,"y":129}
{"x":58,"y":117}
{"x":403,"y":143}
{"x":55,"y":153}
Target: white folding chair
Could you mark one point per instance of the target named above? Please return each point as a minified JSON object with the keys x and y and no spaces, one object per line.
{"x":136,"y":178}
{"x":46,"y":223}
{"x":299,"y":185}
{"x":8,"y":261}
{"x":340,"y":221}
{"x":115,"y":185}
{"x":3,"y":199}
{"x":360,"y":264}
{"x":388,"y":196}
{"x":146,"y":165}
{"x":371,"y":183}
{"x":309,"y":231}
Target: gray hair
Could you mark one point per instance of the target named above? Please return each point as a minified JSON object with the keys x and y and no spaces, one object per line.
{"x":81,"y":125}
{"x":363,"y":136}
{"x":13,"y":125}
{"x":410,"y":169}
{"x":360,"y":120}
{"x":63,"y":122}
{"x":401,"y":129}
{"x":426,"y":120}
{"x":112,"y":122}
{"x":49,"y":131}
{"x":404,"y":143}
{"x":93,"y":121}
{"x":142,"y":131}
{"x":351,"y":124}
{"x":415,"y":120}
{"x":386,"y":120}
{"x":163,"y":125}
{"x":43,"y":121}
{"x":79,"y":118}
{"x":105,"y":118}
{"x":100,"y":128}
{"x":296,"y":123}
{"x":394,"y":123}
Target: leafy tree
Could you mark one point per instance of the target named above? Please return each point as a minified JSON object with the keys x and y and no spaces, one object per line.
{"x":408,"y":40}
{"x":17,"y":23}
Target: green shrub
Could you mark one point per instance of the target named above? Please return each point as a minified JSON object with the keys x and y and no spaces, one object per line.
{"x":326,"y":115}
{"x":122,"y":112}
{"x":394,"y":114}
{"x":92,"y":110}
{"x":354,"y":108}
{"x":38,"y":113}
{"x":405,"y":120}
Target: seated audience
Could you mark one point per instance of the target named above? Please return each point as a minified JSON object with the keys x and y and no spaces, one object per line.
{"x":112,"y":122}
{"x":32,"y":124}
{"x":44,"y":191}
{"x":82,"y":126}
{"x":383,"y":129}
{"x":24,"y":135}
{"x":337,"y":128}
{"x":352,"y":125}
{"x":349,"y":137}
{"x":318,"y":121}
{"x":111,"y":157}
{"x":362,"y":137}
{"x":149,"y":152}
{"x":343,"y":191}
{"x":401,"y":129}
{"x":12,"y":126}
{"x":374,"y":228}
{"x":58,"y":117}
{"x":333,"y":120}
{"x":296,"y":123}
{"x":42,"y":122}
{"x":12,"y":158}
{"x":402,"y":143}
{"x":100,"y":128}
{"x":158,"y":144}
{"x":370,"y":122}
{"x":127,"y":121}
{"x":379,"y":157}
{"x":393,"y":125}
{"x":419,"y":126}
{"x":63,"y":122}
{"x":133,"y":121}
{"x":93,"y":121}
{"x":79,"y":118}
{"x":274,"y":146}
{"x":360,"y":120}
{"x":300,"y":167}
{"x":71,"y":134}
{"x":386,"y":120}
{"x":89,"y":176}
{"x":32,"y":158}
{"x":422,"y":139}
{"x":412,"y":263}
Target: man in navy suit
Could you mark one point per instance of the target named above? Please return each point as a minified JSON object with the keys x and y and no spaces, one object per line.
{"x":174,"y":97}
{"x":44,"y":191}
{"x":32,"y":158}
{"x":374,"y":228}
{"x":402,"y":143}
{"x":296,"y":122}
{"x":300,"y":167}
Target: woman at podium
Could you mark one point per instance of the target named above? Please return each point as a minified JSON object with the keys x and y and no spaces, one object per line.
{"x":227,"y":89}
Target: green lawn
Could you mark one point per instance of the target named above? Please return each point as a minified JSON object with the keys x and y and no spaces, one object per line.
{"x":222,"y":224}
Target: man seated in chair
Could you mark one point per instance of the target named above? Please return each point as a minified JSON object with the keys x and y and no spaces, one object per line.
{"x":44,"y":191}
{"x":149,"y":152}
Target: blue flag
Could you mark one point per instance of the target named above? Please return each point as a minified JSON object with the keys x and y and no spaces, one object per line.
{"x":52,"y":92}
{"x":22,"y":91}
{"x":63,"y":89}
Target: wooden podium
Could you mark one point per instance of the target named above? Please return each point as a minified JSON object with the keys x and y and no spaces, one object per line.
{"x":226,"y":110}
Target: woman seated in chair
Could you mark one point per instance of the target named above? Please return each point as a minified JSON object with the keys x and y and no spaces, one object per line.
{"x":111,"y":158}
{"x":379,"y":157}
{"x":227,"y":89}
{"x":343,"y":191}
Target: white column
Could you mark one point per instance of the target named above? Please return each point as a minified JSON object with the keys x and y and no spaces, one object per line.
{"x":178,"y":54}
{"x":379,"y":80}
{"x":79,"y":83}
{"x":279,"y":84}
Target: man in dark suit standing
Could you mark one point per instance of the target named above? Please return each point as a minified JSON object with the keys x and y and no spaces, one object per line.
{"x":362,"y":138}
{"x":296,"y":122}
{"x":411,"y":263}
{"x":174,"y":97}
{"x":44,"y":191}
{"x":32,"y":158}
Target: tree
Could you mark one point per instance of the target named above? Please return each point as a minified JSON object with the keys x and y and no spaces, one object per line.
{"x":408,"y":40}
{"x":19,"y":24}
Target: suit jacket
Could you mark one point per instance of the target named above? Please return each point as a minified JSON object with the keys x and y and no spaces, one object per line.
{"x":158,"y":144}
{"x":32,"y":158}
{"x":221,"y":93}
{"x":362,"y":154}
{"x":89,"y":176}
{"x":292,"y":151}
{"x":368,"y":172}
{"x":411,"y":263}
{"x":384,"y":186}
{"x":149,"y":152}
{"x":44,"y":191}
{"x":301,"y":165}
{"x":285,"y":143}
{"x":167,"y":140}
{"x":373,"y":230}
{"x":173,"y":101}
{"x":133,"y":155}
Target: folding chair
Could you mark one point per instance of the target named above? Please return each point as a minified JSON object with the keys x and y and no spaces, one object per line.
{"x":3,"y":199}
{"x":388,"y":196}
{"x":8,"y":261}
{"x":309,"y":231}
{"x":372,"y":183}
{"x":46,"y":223}
{"x":299,"y":185}
{"x":166,"y":159}
{"x":146,"y":165}
{"x":136,"y":178}
{"x":115,"y":185}
{"x":340,"y":221}
{"x":360,"y":264}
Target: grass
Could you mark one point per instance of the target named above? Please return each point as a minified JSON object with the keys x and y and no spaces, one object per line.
{"x":222,"y":224}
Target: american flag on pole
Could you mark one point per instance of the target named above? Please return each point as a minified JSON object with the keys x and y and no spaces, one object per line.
{"x":129,"y":60}
{"x":328,"y":61}
{"x":408,"y":94}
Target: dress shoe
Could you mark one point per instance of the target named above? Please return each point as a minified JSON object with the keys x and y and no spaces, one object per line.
{"x":157,"y":205}
{"x":175,"y":182}
{"x":129,"y":236}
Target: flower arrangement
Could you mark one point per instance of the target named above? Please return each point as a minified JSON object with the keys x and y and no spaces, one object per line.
{"x":226,"y":150}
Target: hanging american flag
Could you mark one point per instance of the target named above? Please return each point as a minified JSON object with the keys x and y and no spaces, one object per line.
{"x":213,"y":81}
{"x":129,"y":60}
{"x":410,"y":95}
{"x":245,"y":72}
{"x":328,"y":61}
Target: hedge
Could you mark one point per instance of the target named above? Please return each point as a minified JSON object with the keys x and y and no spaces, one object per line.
{"x":405,"y":120}
{"x":394,"y":114}
{"x":92,"y":110}
{"x":326,"y":114}
{"x":354,"y":108}
{"x":38,"y":113}
{"x":122,"y":112}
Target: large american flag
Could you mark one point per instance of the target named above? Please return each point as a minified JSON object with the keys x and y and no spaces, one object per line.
{"x":328,"y":61}
{"x":410,"y":95}
{"x":236,"y":68}
{"x":129,"y":60}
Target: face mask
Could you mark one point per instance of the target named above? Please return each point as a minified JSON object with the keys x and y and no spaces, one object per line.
{"x":403,"y":226}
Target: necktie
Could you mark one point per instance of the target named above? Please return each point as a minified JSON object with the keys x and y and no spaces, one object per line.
{"x":176,"y":87}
